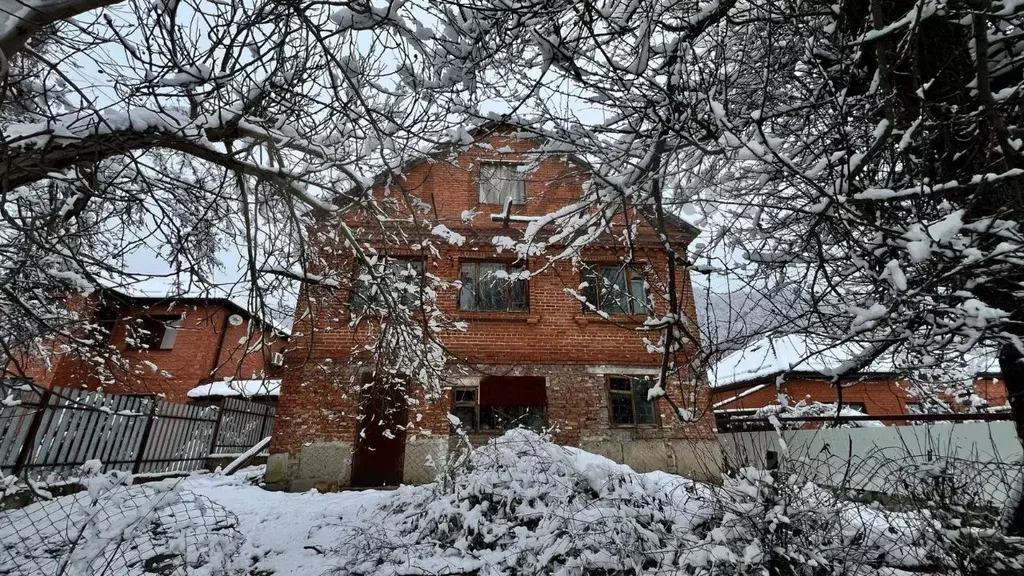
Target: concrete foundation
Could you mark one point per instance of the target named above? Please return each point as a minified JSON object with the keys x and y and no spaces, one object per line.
{"x":327,"y":465}
{"x":323,"y":465}
{"x":697,"y":459}
{"x":423,"y":456}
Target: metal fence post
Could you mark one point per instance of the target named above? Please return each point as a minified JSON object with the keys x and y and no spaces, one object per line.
{"x":263,"y":427}
{"x":216,"y":430}
{"x":145,"y":435}
{"x":30,"y":438}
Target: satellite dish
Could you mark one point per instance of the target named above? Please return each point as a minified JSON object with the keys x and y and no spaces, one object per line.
{"x":235,"y":320}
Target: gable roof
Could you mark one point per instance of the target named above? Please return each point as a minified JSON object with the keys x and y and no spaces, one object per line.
{"x":483,"y":130}
{"x":774,"y":355}
{"x":807,"y":354}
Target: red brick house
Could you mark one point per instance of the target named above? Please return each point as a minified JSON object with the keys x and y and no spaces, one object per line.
{"x":532,"y":352}
{"x":165,"y":346}
{"x":755,"y":376}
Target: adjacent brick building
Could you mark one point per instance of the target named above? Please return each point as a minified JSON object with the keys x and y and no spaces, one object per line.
{"x":160,"y":346}
{"x":790,"y":365}
{"x":531,"y":351}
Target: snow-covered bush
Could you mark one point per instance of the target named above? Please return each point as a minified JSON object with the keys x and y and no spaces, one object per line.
{"x":522,"y":505}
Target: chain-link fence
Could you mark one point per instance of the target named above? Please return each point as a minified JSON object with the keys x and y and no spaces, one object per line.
{"x":115,"y":528}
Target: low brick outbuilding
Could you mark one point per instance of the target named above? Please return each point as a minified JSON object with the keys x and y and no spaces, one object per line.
{"x":797,"y":368}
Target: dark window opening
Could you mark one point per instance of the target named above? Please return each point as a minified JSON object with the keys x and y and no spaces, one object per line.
{"x":402,"y":275}
{"x":858,"y":406}
{"x":153,"y":333}
{"x":500,"y":182}
{"x":501,"y":403}
{"x":615,"y":290}
{"x":106,"y":318}
{"x":628,"y":402}
{"x":494,"y":286}
{"x":734,"y":421}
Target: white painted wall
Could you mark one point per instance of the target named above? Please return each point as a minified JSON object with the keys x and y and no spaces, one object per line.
{"x":894,"y":460}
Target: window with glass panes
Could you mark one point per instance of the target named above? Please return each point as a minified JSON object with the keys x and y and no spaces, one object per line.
{"x":404,"y":275}
{"x":628,"y":401}
{"x":500,"y":182}
{"x":615,"y":289}
{"x":495,"y":286}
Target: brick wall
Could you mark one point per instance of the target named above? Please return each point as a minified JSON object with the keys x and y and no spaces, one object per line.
{"x":206,"y":347}
{"x":993,"y":390}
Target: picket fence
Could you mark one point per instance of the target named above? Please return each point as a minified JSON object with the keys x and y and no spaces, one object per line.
{"x":49,"y":433}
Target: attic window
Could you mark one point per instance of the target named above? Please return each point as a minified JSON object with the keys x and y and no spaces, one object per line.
{"x":501,"y":181}
{"x":154,"y":333}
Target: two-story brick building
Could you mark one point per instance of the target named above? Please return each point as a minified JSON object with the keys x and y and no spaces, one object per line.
{"x":158,"y":345}
{"x":531,"y":351}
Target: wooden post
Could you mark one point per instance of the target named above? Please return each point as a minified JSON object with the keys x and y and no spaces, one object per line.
{"x":145,"y":435}
{"x":30,"y":439}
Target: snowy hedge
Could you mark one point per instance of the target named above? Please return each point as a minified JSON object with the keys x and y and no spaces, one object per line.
{"x":523,"y":505}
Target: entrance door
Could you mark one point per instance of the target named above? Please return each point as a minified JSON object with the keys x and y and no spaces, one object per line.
{"x":380,"y":444}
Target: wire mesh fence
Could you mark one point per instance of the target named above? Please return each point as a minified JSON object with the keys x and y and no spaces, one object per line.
{"x":119,"y":529}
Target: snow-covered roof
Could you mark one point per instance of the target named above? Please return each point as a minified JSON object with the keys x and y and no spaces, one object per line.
{"x":790,"y":353}
{"x":243,"y":388}
{"x":233,"y":302}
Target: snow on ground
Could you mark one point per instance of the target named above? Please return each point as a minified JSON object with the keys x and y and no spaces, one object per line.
{"x":285,"y":533}
{"x":202,"y":524}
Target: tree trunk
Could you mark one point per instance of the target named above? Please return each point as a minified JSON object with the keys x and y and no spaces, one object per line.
{"x":1010,"y":362}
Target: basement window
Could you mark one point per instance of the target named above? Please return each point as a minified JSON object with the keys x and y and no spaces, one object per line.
{"x":501,"y":403}
{"x":628,"y":402}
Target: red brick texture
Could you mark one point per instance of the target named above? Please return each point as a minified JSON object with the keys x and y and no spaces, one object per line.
{"x":207,"y":347}
{"x":555,"y":338}
{"x":880,"y":396}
